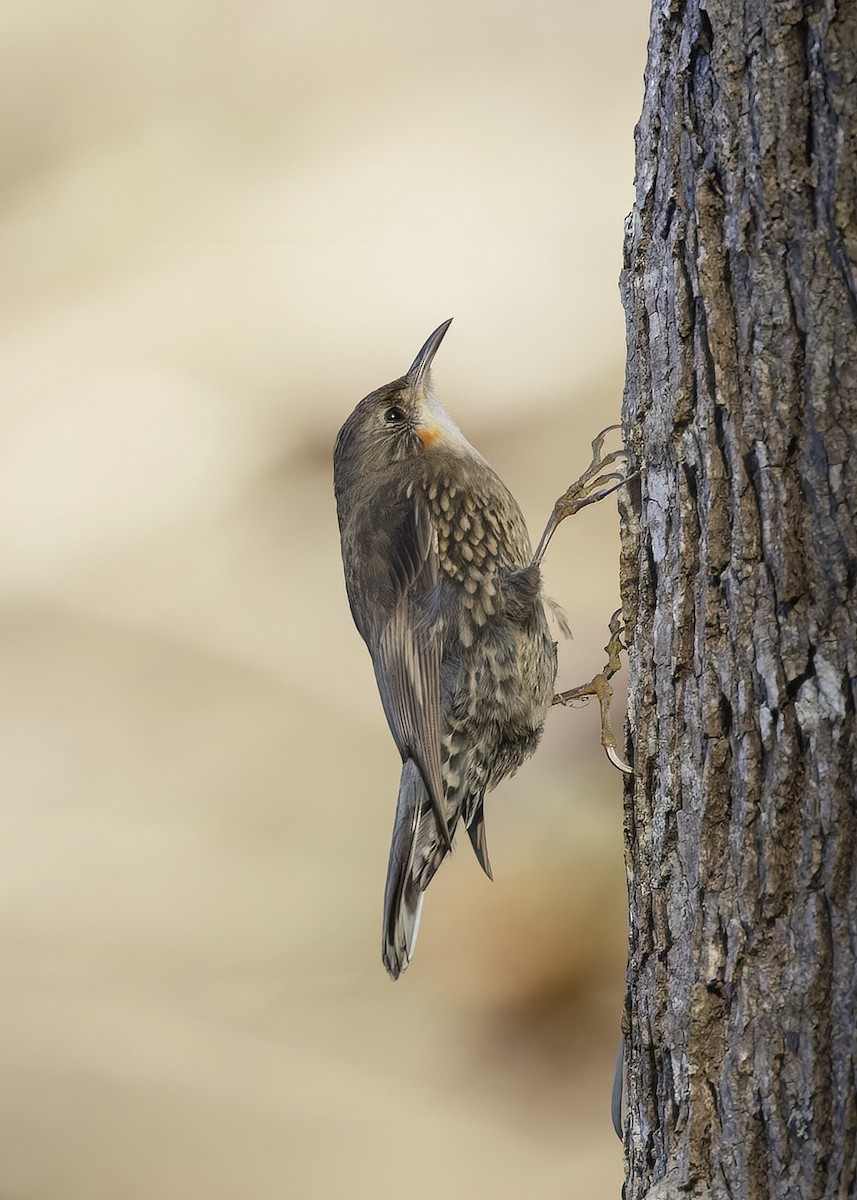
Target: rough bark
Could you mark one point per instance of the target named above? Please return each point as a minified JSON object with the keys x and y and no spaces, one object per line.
{"x":739,"y":581}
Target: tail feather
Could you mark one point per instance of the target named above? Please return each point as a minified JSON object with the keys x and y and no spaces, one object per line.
{"x":416,"y":852}
{"x":479,"y":839}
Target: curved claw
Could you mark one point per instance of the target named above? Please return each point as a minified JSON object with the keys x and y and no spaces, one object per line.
{"x":618,"y":762}
{"x":594,"y":484}
{"x":600,"y":687}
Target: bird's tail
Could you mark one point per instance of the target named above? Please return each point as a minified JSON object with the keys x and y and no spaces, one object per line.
{"x":478,"y":839}
{"x":416,"y":852}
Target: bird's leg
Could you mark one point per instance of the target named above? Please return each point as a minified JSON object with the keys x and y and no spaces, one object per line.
{"x":596,"y":482}
{"x":600,"y":688}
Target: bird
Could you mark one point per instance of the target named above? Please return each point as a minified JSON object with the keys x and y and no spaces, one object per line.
{"x":446,"y":592}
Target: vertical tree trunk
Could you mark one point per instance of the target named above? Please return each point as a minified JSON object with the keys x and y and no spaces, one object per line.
{"x":740,"y":593}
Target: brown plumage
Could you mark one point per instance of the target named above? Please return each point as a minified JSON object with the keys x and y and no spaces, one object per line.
{"x":444,"y":590}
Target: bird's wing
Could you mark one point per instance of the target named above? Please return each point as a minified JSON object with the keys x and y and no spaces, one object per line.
{"x":407,"y":650}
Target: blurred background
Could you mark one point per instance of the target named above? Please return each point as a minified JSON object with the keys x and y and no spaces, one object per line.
{"x":221,"y":224}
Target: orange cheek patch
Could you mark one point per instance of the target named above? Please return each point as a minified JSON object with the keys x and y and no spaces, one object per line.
{"x":429,"y":435}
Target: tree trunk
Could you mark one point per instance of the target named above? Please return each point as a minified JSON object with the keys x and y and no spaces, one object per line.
{"x":739,"y":574}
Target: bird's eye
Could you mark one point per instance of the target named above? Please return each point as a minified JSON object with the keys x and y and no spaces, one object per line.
{"x":394,"y":415}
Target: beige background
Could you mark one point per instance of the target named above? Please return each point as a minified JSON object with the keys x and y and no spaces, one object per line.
{"x":221,"y":225}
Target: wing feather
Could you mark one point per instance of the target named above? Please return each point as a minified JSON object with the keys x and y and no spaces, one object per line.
{"x":407,"y":652}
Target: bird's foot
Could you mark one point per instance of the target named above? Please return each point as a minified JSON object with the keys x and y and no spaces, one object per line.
{"x":601,"y":688}
{"x":596,"y":482}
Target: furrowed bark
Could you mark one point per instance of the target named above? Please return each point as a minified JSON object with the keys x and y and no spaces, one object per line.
{"x":739,"y":575}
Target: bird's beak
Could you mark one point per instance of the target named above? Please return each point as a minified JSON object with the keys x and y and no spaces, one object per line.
{"x":420,"y":366}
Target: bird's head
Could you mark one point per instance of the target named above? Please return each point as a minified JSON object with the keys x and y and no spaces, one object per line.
{"x":398,"y":421}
